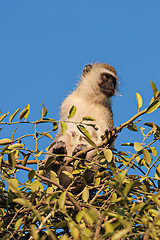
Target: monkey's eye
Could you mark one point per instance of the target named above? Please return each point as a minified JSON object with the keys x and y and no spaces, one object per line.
{"x":106,"y":76}
{"x":87,"y":68}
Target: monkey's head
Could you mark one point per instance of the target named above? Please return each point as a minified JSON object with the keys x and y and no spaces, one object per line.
{"x":101,"y":78}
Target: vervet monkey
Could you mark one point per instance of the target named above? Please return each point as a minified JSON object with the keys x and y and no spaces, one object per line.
{"x":92,"y":98}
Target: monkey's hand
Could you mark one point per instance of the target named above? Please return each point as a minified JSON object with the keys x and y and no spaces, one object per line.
{"x":110,"y":136}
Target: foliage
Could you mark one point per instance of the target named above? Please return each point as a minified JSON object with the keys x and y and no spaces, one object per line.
{"x":117,"y":205}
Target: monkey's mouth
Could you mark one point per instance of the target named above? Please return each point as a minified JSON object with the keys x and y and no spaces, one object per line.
{"x":108,"y":92}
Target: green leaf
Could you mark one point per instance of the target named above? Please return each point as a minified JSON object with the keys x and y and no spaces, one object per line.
{"x":31,"y":175}
{"x":147,"y":156}
{"x":83,"y":130}
{"x":74,"y":230}
{"x":138,"y":146}
{"x":13,"y":183}
{"x":157,"y":174}
{"x":3,"y":116}
{"x":23,"y":113}
{"x":122,"y":175}
{"x":85,"y":194}
{"x":72,"y":111}
{"x":49,"y":162}
{"x":44,"y":111}
{"x":139,"y":100}
{"x":88,"y":119}
{"x":154,"y":88}
{"x":18,"y":223}
{"x":127,"y":144}
{"x":108,"y":228}
{"x":38,"y":153}
{"x":50,"y":146}
{"x":25,"y":159}
{"x":132,"y":126}
{"x":128,"y":188}
{"x":91,"y":142}
{"x":54,"y":177}
{"x":5,"y":141}
{"x":55,"y":126}
{"x":154,"y":151}
{"x":36,"y":186}
{"x":151,"y":124}
{"x":62,"y":200}
{"x":108,"y":154}
{"x":64,"y":237}
{"x":14,"y":114}
{"x":46,"y":135}
{"x":27,"y":113}
{"x":12,"y":160}
{"x":153,"y":107}
{"x":114,"y":197}
{"x":79,"y":216}
{"x":64,"y":128}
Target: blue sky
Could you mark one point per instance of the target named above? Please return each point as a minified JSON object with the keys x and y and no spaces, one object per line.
{"x":44,"y":46}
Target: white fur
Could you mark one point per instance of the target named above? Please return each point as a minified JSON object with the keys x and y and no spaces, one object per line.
{"x":91,"y":102}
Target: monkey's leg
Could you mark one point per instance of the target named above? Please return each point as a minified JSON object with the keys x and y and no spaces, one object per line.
{"x":58,"y":148}
{"x":79,"y":148}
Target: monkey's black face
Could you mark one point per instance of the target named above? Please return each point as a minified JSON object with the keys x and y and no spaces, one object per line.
{"x":108,"y":84}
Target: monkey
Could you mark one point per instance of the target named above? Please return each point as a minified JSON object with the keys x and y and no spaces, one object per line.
{"x":92,"y":98}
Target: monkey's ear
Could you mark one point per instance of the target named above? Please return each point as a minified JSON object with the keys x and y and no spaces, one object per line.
{"x":87,"y":68}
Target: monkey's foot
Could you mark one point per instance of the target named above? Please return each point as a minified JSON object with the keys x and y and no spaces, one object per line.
{"x":79,"y":148}
{"x":109,"y":136}
{"x":59,"y":148}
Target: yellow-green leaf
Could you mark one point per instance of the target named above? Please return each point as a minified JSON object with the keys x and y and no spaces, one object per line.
{"x":44,"y":111}
{"x":14,"y":114}
{"x":27,"y":113}
{"x":62,"y":200}
{"x":5,"y":141}
{"x":83,"y":130}
{"x":23,"y":113}
{"x":109,"y":228}
{"x":154,"y":151}
{"x":50,"y":146}
{"x":68,"y":174}
{"x":25,"y":159}
{"x":46,"y":135}
{"x":54,"y":177}
{"x":107,"y":154}
{"x":13,"y":183}
{"x":31,"y":175}
{"x":154,"y":88}
{"x":153,"y":107}
{"x":3,"y":116}
{"x":139,"y":100}
{"x":85,"y":194}
{"x":18,"y":223}
{"x":49,"y":161}
{"x":138,"y":146}
{"x":132,"y":126}
{"x":74,"y":230}
{"x":16,"y":145}
{"x":64,"y":128}
{"x":12,"y":160}
{"x":36,"y":186}
{"x":147,"y":156}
